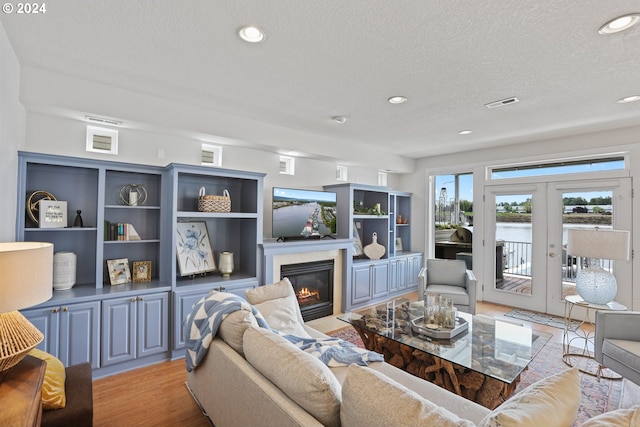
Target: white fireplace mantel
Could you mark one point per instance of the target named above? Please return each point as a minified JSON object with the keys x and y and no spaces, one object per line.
{"x":276,"y":254}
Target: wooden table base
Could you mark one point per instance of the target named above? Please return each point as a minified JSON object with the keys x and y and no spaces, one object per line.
{"x":486,"y":391}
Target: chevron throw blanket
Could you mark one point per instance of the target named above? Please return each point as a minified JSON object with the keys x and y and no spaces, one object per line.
{"x":334,"y":351}
{"x":204,"y":320}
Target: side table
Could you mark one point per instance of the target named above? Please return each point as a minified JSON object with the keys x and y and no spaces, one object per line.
{"x":21,"y":393}
{"x":585,"y":336}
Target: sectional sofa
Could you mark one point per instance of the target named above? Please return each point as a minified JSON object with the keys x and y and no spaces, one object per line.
{"x":251,"y":376}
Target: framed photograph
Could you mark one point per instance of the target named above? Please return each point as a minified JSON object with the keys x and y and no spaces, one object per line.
{"x":399,"y":244}
{"x":193,"y":248}
{"x":119,"y":272}
{"x":142,"y":271}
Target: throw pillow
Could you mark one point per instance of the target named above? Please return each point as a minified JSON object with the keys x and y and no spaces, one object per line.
{"x":619,"y":418}
{"x":53,"y":393}
{"x":233,"y":326}
{"x":305,"y":379}
{"x":279,"y":306}
{"x":280,"y":289}
{"x":552,"y":401}
{"x":371,"y":399}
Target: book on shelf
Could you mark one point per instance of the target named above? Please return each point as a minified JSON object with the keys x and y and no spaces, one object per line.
{"x":120,"y":231}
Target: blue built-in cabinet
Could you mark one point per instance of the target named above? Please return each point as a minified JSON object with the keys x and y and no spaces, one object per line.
{"x":362,"y":211}
{"x":120,"y":327}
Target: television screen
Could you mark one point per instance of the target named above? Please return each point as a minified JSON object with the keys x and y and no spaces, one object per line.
{"x":303,"y":213}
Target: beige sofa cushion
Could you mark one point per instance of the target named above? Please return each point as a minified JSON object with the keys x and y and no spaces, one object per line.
{"x":302,"y":377}
{"x":279,"y":306}
{"x":233,"y":326}
{"x":619,"y":418}
{"x":552,"y":401}
{"x":370,"y":399}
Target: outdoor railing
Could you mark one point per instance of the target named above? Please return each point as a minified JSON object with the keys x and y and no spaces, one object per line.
{"x":517,"y":261}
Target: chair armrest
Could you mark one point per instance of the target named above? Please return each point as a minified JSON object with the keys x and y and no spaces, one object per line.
{"x":622,"y":325}
{"x":471,"y":284}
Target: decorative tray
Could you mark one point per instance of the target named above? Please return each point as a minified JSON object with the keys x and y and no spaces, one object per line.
{"x":418,"y":325}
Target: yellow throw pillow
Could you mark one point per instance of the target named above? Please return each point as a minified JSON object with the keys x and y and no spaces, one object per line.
{"x":53,"y":395}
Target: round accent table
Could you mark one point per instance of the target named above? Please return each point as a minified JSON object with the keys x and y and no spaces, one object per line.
{"x":585,"y":337}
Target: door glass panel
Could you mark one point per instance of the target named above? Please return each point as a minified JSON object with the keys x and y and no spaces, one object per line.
{"x":584,"y":209}
{"x":514,"y":243}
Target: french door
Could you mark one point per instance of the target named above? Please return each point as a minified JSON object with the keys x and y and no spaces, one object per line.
{"x":527,"y":225}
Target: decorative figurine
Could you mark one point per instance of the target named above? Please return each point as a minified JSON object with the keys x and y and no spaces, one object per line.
{"x":78,"y":221}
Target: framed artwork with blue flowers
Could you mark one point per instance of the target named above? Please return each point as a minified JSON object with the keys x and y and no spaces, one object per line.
{"x":193,"y":249}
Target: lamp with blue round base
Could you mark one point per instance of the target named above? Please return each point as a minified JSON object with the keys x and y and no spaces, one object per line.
{"x":593,"y":283}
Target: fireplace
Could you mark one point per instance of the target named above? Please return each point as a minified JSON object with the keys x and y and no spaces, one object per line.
{"x":313,"y":286}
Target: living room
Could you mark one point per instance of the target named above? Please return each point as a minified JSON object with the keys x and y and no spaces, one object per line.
{"x":45,"y":106}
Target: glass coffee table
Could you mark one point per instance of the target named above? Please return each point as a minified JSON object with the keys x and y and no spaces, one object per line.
{"x":483,"y":362}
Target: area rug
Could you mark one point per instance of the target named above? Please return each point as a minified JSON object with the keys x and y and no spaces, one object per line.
{"x":542,"y":319}
{"x":597,"y":396}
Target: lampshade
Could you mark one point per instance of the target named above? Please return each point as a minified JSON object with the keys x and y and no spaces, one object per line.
{"x":598,"y":243}
{"x":594,"y":284}
{"x":26,"y":279}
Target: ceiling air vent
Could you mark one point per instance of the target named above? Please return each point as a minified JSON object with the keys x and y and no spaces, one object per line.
{"x":502,"y":102}
{"x":101,"y":140}
{"x":211,"y":155}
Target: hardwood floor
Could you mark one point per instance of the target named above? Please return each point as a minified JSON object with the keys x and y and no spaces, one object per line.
{"x":157,"y":395}
{"x":151,"y":396}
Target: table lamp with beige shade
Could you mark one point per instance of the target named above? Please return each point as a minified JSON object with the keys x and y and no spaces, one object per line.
{"x":26,"y":279}
{"x":594,"y":284}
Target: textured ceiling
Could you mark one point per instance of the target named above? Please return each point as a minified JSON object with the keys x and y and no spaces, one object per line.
{"x":327,"y":58}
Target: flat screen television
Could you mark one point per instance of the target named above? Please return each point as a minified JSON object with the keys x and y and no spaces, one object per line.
{"x":303,"y":214}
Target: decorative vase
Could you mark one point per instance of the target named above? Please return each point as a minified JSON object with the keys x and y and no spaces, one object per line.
{"x":225,"y":263}
{"x":64,"y":270}
{"x":374,"y":250}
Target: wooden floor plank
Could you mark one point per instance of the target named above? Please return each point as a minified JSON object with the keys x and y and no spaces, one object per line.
{"x":151,"y":396}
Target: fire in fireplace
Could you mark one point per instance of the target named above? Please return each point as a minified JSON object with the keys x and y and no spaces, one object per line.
{"x":313,"y":286}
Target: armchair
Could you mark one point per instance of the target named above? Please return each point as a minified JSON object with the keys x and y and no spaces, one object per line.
{"x":617,"y":342}
{"x":450,"y":278}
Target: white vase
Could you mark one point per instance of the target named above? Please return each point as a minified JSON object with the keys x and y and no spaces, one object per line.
{"x":225,"y":263}
{"x":64,"y":270}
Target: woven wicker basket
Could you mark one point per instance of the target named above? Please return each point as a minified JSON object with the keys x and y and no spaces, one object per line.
{"x":212,"y":203}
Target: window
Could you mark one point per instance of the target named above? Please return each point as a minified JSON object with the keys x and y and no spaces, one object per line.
{"x":102,"y":140}
{"x":287,"y":165}
{"x":560,"y":167}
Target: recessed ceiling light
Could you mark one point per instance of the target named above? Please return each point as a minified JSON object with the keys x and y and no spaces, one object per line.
{"x":339,"y":119}
{"x":464,"y":132}
{"x":632,"y":98}
{"x":397,"y":100}
{"x":251,"y":34}
{"x":620,"y":23}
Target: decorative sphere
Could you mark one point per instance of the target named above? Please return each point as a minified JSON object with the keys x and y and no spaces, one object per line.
{"x":596,"y":286}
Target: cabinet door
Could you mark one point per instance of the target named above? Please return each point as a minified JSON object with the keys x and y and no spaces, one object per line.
{"x":118,"y":330}
{"x":80,"y":334}
{"x":380,"y":275}
{"x":183,"y":303}
{"x":414,"y":265}
{"x":153,"y":323}
{"x":393,"y":275}
{"x":361,"y":284}
{"x":47,"y":320}
{"x":401,"y":277}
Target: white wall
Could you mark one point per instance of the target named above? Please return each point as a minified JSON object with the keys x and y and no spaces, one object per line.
{"x":12,"y":126}
{"x":66,"y":136}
